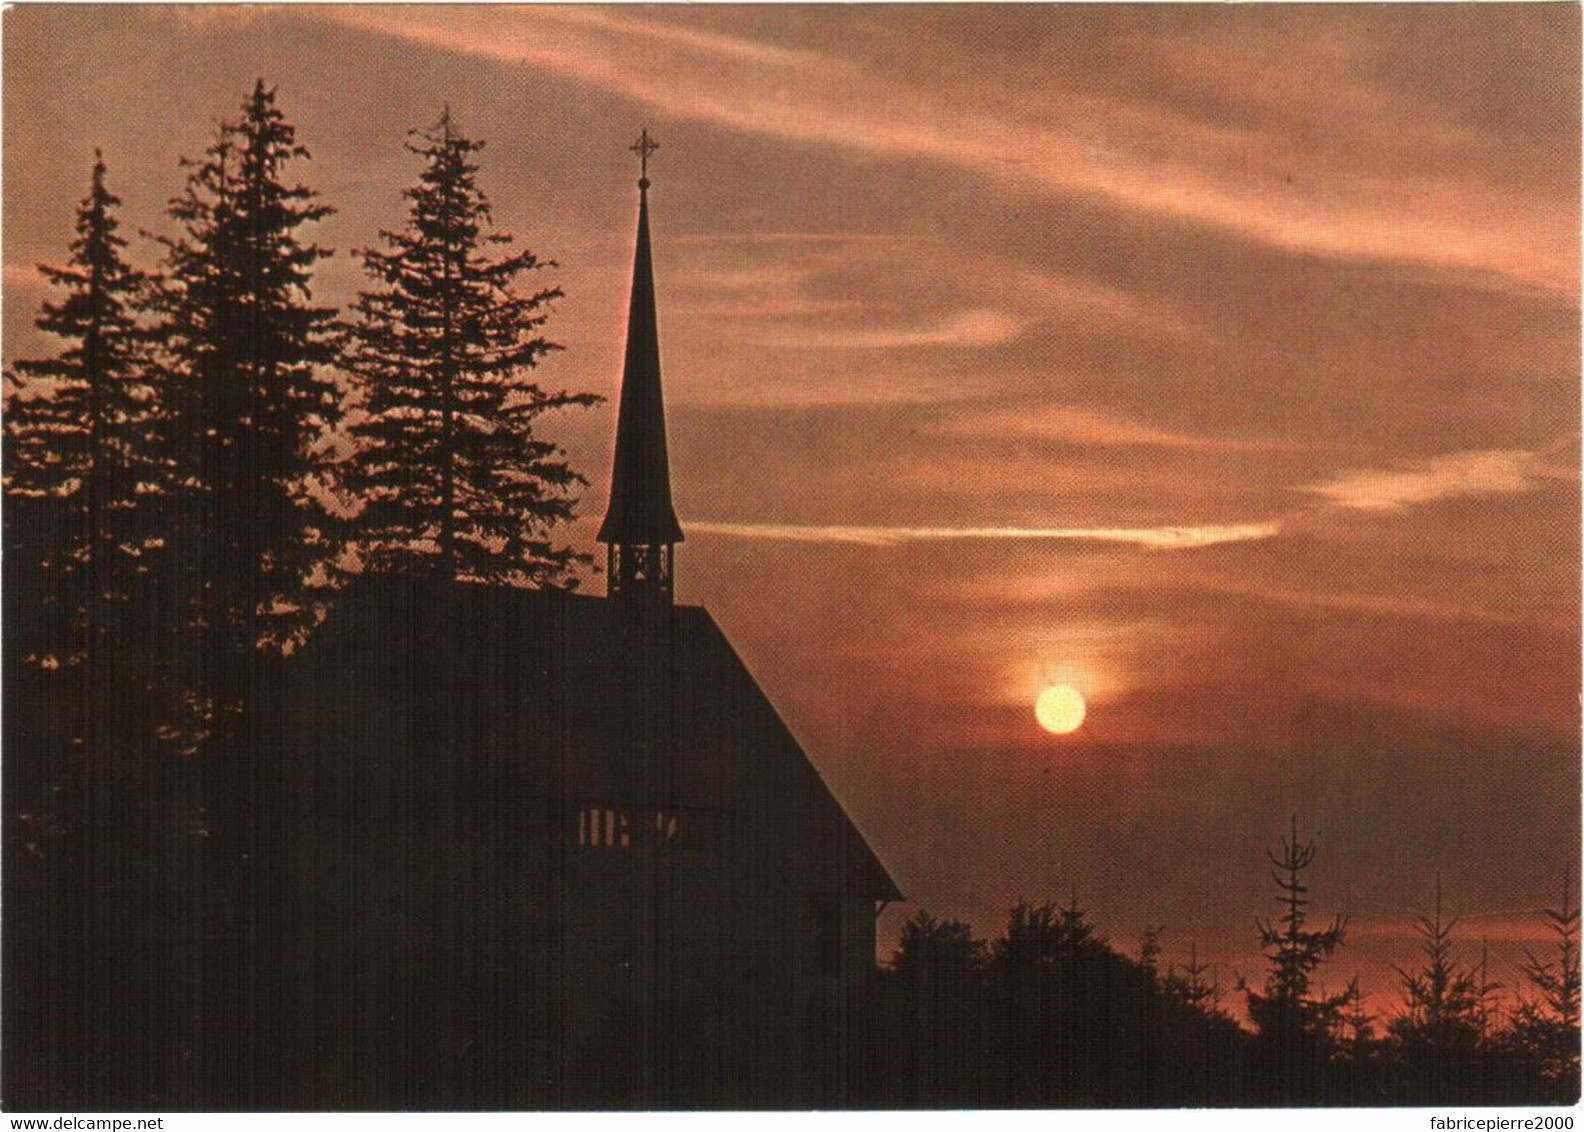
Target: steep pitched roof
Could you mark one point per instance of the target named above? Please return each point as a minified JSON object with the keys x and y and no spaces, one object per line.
{"x":630,"y":704}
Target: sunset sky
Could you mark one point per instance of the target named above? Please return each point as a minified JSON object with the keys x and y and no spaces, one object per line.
{"x":1221,"y":362}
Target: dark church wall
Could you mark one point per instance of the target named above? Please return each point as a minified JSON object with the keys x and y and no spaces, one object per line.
{"x":392,"y":908}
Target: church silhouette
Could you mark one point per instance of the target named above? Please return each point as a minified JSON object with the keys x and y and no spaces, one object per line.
{"x":541,"y":849}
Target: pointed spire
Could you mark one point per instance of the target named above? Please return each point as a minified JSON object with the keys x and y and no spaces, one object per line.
{"x":641,"y":522}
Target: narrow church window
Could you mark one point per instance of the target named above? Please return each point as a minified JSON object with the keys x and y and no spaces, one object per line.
{"x":603,"y":827}
{"x":597,"y":827}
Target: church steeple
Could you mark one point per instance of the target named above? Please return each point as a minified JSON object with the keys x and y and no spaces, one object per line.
{"x":641,"y":529}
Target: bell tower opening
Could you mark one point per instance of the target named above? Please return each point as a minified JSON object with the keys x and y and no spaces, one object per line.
{"x":640,"y":531}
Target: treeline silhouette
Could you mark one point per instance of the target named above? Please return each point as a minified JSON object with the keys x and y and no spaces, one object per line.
{"x":204,"y":462}
{"x":209,"y":457}
{"x":211,"y":446}
{"x":1049,"y":1014}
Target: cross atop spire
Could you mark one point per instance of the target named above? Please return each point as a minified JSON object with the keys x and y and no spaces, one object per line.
{"x":641,"y":529}
{"x":643,"y":147}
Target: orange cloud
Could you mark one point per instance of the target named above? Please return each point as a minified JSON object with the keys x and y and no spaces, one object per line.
{"x":1074,"y":424}
{"x":1151,"y":538}
{"x":966,"y":328}
{"x":1156,"y":160}
{"x":1065,"y":297}
{"x":1453,"y":476}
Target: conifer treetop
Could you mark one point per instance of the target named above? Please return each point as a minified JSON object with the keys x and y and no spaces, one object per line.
{"x":451,"y":474}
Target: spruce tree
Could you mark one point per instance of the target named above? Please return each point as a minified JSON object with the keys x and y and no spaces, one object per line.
{"x":250,"y":395}
{"x":1190,"y":986}
{"x":78,"y":461}
{"x":1441,"y":999}
{"x":1438,"y":1034}
{"x":1041,"y":969}
{"x":939,"y":969}
{"x":1358,"y":1051}
{"x":451,"y":474}
{"x":1296,"y":1024}
{"x":1545,"y":1027}
{"x":80,"y":475}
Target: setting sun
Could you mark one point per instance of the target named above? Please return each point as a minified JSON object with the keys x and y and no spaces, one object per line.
{"x":1060,"y":709}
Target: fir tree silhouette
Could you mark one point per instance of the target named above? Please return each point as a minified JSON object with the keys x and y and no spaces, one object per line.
{"x":939,"y":969}
{"x":1438,"y":1034}
{"x":78,"y":545}
{"x":247,"y":395}
{"x":451,"y":475}
{"x":1190,"y":985}
{"x":249,"y":392}
{"x":1295,"y":1024}
{"x":1545,"y":1024}
{"x":77,"y":441}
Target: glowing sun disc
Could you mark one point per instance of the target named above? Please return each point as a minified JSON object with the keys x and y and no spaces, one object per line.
{"x":1059,"y":709}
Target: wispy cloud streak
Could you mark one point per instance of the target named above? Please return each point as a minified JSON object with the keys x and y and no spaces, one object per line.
{"x":1080,"y":425}
{"x":975,"y":328}
{"x":1453,"y":476}
{"x":1150,"y":538}
{"x":1191,"y":173}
